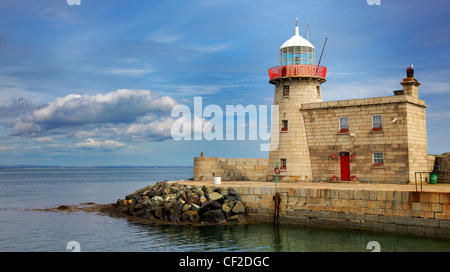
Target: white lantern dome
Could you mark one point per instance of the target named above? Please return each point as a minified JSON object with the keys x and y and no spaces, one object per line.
{"x":297,"y":50}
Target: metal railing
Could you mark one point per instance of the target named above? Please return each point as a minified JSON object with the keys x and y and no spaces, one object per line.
{"x":297,"y":70}
{"x":420,"y":180}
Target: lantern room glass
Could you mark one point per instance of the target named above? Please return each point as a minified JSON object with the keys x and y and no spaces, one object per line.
{"x":297,"y":55}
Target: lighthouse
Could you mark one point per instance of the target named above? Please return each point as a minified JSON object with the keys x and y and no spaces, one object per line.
{"x":297,"y":81}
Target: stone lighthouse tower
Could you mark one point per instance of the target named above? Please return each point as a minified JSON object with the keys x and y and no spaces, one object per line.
{"x":297,"y":81}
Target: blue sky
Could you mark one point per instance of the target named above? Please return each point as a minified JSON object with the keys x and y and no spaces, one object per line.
{"x":94,"y":84}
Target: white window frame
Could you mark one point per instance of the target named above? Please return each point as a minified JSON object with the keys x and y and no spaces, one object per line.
{"x":340,"y":123}
{"x":381,"y":121}
{"x":378,"y":158}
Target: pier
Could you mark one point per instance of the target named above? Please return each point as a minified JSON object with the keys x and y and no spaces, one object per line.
{"x":388,"y":208}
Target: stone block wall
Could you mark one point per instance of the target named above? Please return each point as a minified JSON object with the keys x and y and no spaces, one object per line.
{"x":403,"y":152}
{"x":206,"y":168}
{"x":292,"y":142}
{"x":417,"y":139}
{"x":442,"y":168}
{"x":400,"y":212}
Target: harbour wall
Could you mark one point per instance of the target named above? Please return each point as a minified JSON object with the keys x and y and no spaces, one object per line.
{"x":206,"y":168}
{"x":377,"y":209}
{"x":249,"y":169}
{"x":442,"y":168}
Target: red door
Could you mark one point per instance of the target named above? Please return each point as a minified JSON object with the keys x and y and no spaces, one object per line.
{"x":345,"y":166}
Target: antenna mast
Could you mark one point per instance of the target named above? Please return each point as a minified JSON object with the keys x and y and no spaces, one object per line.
{"x":320,"y":59}
{"x":307,"y":33}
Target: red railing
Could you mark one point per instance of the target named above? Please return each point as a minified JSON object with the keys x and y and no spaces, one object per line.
{"x":298,"y":70}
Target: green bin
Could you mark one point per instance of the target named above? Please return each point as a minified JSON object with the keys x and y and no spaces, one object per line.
{"x":433,"y":178}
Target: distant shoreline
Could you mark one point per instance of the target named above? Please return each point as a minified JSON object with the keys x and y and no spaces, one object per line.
{"x":82,"y":167}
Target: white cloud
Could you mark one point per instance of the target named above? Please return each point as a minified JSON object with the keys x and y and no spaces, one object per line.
{"x":159,"y":128}
{"x":164,"y":36}
{"x":7,"y":148}
{"x":74,"y":113}
{"x":94,"y":144}
{"x":43,"y":139}
{"x":129,"y":71}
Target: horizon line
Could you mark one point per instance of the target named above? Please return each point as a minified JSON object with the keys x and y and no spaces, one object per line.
{"x":25,"y":166}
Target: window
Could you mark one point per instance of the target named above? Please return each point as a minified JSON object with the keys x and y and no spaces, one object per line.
{"x":283,"y":164}
{"x":286,"y":90}
{"x":297,"y":55}
{"x":378,"y":159}
{"x":343,"y":124}
{"x":377,"y":124}
{"x":285,"y":125}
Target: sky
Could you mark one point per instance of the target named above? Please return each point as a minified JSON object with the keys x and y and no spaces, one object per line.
{"x":95,"y":84}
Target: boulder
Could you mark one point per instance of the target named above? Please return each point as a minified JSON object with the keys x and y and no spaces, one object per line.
{"x":238,"y":208}
{"x":175,"y":214}
{"x":170,"y":203}
{"x":213,"y":216}
{"x":182,"y":195}
{"x":194,"y":207}
{"x":194,"y":199}
{"x":210,"y":205}
{"x":159,"y":213}
{"x":156,"y":201}
{"x":148,"y":215}
{"x":232,"y":192}
{"x":209,"y":190}
{"x":169,"y":197}
{"x":190,"y":217}
{"x":63,"y":207}
{"x":199,"y":192}
{"x":180,"y":203}
{"x":186,"y":207}
{"x":226,"y":210}
{"x":156,"y":191}
{"x":227,"y":206}
{"x":216,"y":197}
{"x":233,"y":195}
{"x":237,"y":218}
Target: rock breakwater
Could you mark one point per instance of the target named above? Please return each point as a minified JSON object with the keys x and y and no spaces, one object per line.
{"x":178,"y":203}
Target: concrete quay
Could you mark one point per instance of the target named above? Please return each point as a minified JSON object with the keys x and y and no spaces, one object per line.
{"x":388,"y":208}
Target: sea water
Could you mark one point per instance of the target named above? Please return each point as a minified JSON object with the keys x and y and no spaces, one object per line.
{"x":23,"y":229}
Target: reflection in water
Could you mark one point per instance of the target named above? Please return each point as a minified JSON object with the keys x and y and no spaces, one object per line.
{"x":267,"y":237}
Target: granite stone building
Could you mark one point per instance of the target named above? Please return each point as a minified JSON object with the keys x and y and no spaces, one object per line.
{"x":375,"y":140}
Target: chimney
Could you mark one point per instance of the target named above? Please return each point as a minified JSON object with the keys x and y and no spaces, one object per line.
{"x":410,"y":87}
{"x":410,"y":84}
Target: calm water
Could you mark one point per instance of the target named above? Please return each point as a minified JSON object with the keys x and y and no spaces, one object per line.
{"x":25,"y":230}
